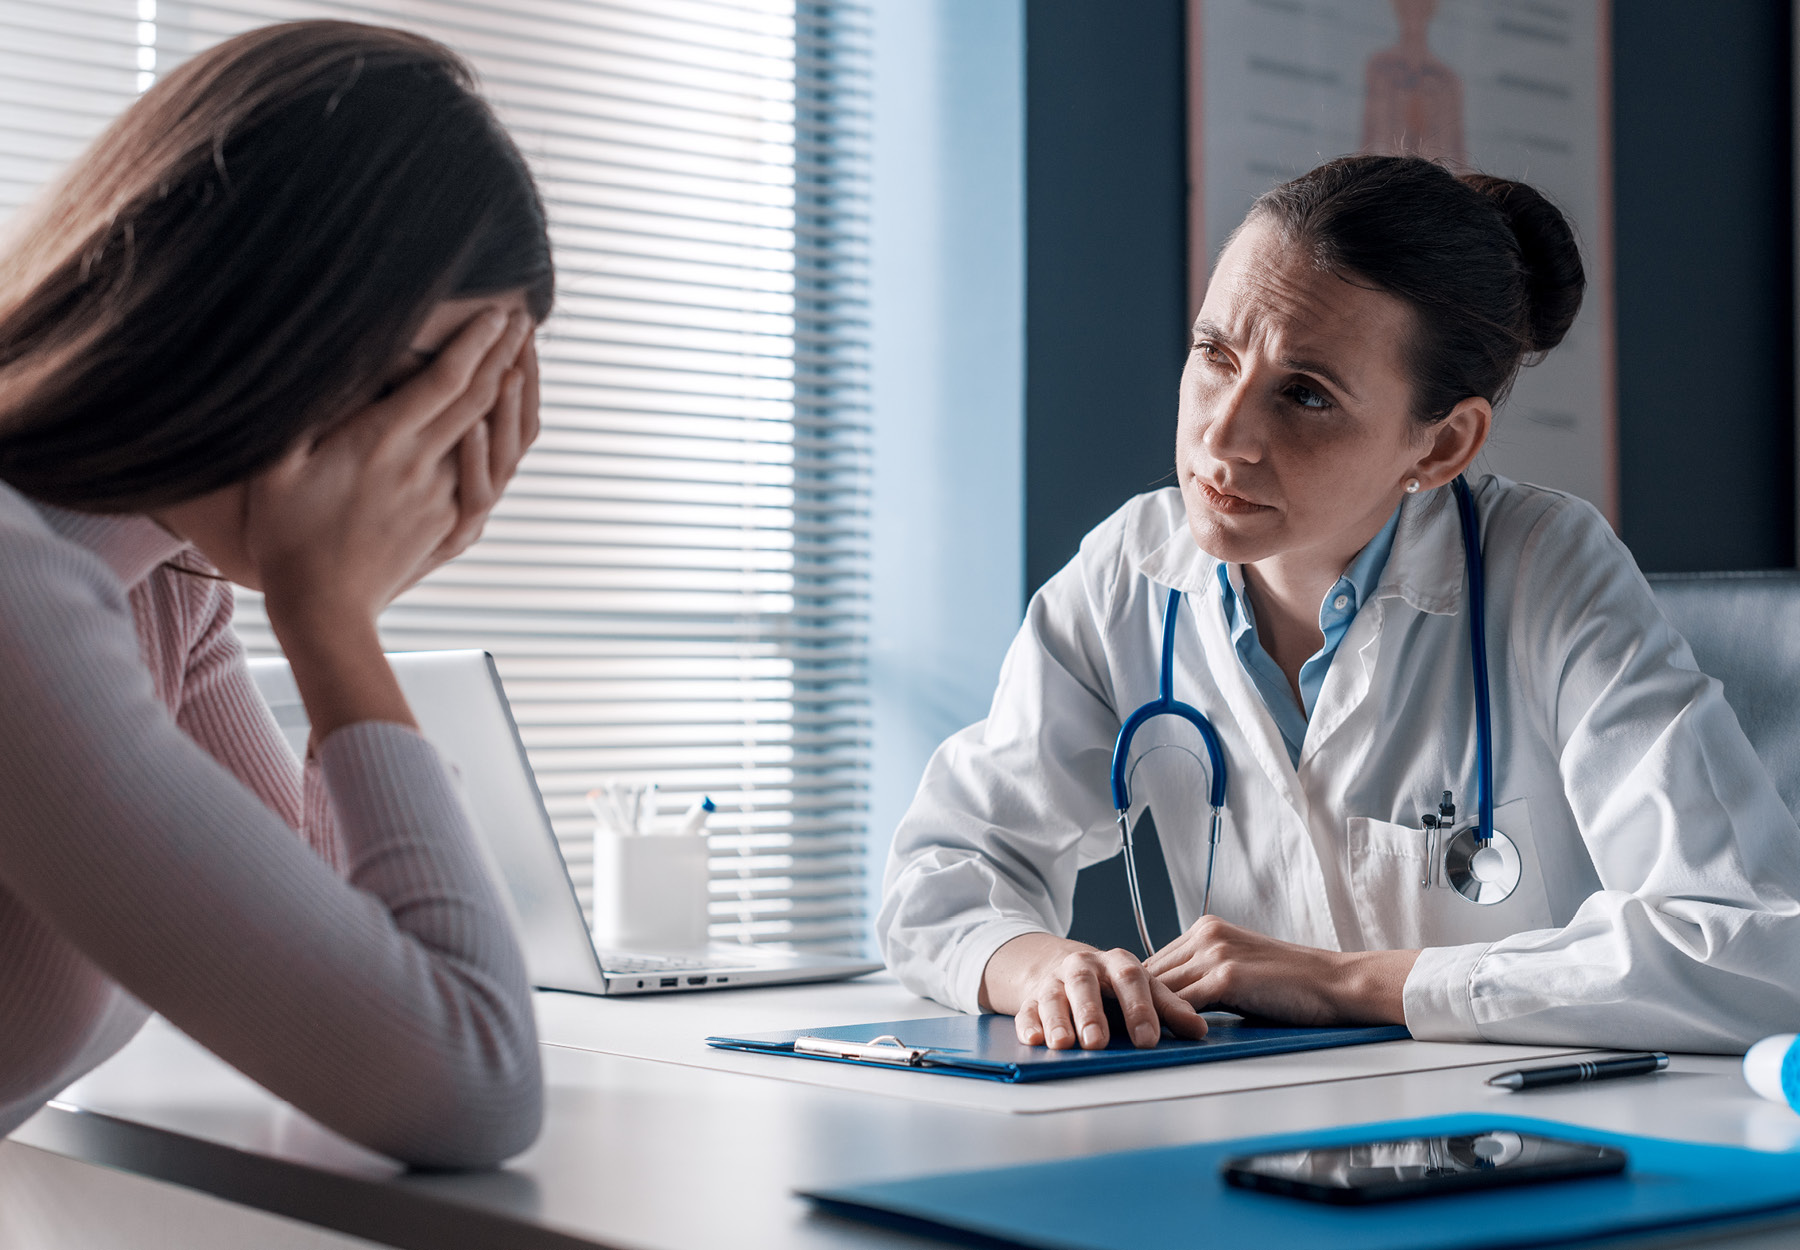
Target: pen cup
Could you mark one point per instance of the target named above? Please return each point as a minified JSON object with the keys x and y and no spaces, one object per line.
{"x":1772,"y":1067}
{"x":650,"y":891}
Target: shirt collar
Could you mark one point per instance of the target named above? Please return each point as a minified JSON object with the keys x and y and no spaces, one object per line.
{"x":1423,"y":566}
{"x":1371,"y":561}
{"x":133,"y":546}
{"x":1358,"y":580}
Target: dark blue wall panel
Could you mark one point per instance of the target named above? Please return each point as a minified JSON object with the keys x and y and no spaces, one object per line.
{"x":1703,"y":179}
{"x":1106,"y":262}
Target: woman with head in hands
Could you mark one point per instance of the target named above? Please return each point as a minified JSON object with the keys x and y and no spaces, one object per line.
{"x":275,"y":326}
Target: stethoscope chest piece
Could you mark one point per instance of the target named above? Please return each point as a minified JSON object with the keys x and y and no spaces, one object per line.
{"x":1482,"y":874}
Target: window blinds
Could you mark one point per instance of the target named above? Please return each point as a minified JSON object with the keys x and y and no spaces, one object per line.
{"x":675,"y":585}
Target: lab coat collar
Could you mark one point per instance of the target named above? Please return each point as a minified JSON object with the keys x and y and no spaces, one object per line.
{"x":132,"y":546}
{"x":1425,"y":567}
{"x":1178,"y":563}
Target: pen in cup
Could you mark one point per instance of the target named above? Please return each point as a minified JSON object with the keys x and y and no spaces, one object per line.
{"x":1588,"y":1070}
{"x":629,"y":808}
{"x":624,"y":807}
{"x":695,"y":820}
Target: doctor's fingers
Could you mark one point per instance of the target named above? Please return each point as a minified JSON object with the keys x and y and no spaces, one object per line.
{"x":1046,"y":1022}
{"x":1199,"y":967}
{"x":1205,"y":939}
{"x":1133,"y":988}
{"x":1028,"y":1025}
{"x":1090,"y":978}
{"x":1182,"y":1018}
{"x":1071,"y":1005}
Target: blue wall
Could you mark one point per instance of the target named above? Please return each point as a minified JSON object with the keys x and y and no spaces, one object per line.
{"x":1106,"y":262}
{"x":947,"y":526}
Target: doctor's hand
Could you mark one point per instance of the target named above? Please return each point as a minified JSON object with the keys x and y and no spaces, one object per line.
{"x":1219,"y":964}
{"x":1056,"y":991}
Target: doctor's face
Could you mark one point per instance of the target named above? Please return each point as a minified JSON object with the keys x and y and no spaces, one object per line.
{"x":1296,"y":435}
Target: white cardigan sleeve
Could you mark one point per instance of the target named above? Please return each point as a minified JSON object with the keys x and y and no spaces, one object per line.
{"x":1693,"y":940}
{"x":393,"y":1006}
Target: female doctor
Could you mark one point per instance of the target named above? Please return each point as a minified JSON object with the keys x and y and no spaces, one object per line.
{"x":1357,"y":333}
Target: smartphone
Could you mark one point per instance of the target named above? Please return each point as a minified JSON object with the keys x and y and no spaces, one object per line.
{"x":1420,"y":1167}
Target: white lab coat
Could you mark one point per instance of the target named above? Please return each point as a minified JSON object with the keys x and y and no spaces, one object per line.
{"x":1657,"y":906}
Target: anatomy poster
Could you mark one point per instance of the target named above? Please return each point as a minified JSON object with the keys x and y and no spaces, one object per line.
{"x":1517,"y":88}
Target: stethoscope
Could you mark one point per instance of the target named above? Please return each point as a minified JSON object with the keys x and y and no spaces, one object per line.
{"x":1479,"y":862}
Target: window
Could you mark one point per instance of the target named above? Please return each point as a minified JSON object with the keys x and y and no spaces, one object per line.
{"x":675,"y":585}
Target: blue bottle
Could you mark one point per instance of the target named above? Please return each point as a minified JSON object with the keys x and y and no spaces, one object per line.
{"x":1772,"y":1067}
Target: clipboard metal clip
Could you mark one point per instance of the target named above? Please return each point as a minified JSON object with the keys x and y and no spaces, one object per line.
{"x":885,"y":1049}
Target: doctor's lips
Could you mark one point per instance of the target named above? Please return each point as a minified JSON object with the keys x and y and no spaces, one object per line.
{"x":1224,"y":501}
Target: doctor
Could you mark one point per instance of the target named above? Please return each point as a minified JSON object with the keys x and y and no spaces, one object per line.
{"x":1358,"y":331}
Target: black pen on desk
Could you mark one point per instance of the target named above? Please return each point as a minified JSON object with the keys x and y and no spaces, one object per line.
{"x":1591,"y":1070}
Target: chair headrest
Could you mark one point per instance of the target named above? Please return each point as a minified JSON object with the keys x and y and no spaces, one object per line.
{"x":1745,"y":631}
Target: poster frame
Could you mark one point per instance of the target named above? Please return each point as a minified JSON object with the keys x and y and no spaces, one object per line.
{"x":1599,"y":256}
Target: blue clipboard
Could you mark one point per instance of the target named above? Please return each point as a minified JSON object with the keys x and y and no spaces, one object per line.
{"x":1175,"y":1196}
{"x":986,"y":1048}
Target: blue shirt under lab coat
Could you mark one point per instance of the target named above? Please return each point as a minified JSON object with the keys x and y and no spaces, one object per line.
{"x":1336,"y":611}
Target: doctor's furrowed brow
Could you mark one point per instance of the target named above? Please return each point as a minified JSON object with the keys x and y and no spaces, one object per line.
{"x":1322,"y":370}
{"x":1211,"y":330}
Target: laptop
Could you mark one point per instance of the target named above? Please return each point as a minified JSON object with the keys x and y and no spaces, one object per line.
{"x":462,"y":711}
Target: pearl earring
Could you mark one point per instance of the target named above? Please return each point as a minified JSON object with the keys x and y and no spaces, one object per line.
{"x":1412,"y":485}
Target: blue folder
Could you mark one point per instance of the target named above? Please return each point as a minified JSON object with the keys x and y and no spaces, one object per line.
{"x":1175,"y":1196}
{"x":985,"y":1047}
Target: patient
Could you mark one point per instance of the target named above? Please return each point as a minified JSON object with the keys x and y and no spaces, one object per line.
{"x":275,"y":326}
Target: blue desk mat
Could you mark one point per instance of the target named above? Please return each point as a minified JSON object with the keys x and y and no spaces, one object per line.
{"x":1174,"y":1196}
{"x":987,"y":1047}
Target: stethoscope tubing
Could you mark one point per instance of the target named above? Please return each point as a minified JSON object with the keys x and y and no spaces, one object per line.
{"x":1484,"y":727}
{"x":1165,"y":704}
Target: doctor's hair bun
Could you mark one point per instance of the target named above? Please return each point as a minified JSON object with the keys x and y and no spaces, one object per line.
{"x":1490,"y":268}
{"x":1554,"y":280}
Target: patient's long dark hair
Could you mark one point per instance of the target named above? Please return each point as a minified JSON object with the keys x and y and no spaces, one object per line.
{"x":240,"y":260}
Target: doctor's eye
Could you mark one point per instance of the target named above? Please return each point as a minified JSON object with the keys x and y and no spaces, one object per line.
{"x":1306,"y":397}
{"x":1209,"y":352}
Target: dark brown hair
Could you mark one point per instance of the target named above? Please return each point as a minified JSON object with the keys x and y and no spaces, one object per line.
{"x":243,"y":256}
{"x":1490,"y":267}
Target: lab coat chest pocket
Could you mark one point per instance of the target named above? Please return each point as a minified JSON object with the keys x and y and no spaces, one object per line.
{"x":1388,"y":865}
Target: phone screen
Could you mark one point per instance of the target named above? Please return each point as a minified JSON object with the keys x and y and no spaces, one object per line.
{"x":1416,"y":1167}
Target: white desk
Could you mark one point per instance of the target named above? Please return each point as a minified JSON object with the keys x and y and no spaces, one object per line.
{"x":658,"y":1155}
